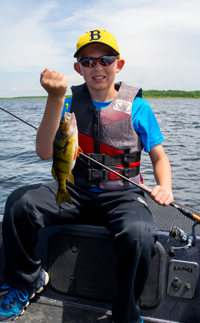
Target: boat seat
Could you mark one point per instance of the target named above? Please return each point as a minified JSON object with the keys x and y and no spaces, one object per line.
{"x":82,"y":263}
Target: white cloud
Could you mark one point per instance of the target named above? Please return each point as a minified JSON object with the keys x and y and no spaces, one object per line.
{"x":26,"y":41}
{"x":159,"y":39}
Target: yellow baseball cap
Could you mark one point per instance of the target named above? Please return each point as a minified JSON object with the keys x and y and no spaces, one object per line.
{"x":97,"y":36}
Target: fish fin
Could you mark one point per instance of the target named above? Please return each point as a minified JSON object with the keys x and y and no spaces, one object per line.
{"x":70,"y":178}
{"x":53,"y":173}
{"x":79,"y":151}
{"x":63,"y":196}
{"x":75,"y":153}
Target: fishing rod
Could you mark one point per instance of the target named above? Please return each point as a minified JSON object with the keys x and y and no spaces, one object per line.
{"x":184,"y":211}
{"x":187,"y":213}
{"x":18,"y":118}
{"x":146,"y":190}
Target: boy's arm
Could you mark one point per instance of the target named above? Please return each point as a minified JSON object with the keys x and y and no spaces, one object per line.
{"x":56,"y":86}
{"x":162,"y":192}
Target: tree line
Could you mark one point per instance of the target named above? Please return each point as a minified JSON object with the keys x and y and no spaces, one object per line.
{"x":145,"y":94}
{"x":170,"y":94}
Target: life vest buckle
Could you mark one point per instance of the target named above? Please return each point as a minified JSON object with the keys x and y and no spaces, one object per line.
{"x":98,"y":157}
{"x":97,"y":175}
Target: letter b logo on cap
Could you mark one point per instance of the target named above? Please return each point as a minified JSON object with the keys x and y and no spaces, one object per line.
{"x":95,"y":35}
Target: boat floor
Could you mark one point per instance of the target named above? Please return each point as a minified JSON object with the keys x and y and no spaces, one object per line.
{"x":40,"y":311}
{"x":43,"y":313}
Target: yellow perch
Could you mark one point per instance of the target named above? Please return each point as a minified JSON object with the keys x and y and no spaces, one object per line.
{"x":65,"y":151}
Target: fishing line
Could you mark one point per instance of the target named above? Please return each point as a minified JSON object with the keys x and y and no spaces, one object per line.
{"x":184,"y":211}
{"x":18,"y":66}
{"x":19,"y":118}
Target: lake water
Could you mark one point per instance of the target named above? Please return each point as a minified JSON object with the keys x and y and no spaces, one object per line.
{"x":179,"y":121}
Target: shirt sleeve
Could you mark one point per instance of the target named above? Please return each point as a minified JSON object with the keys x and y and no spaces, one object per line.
{"x":146,"y":124}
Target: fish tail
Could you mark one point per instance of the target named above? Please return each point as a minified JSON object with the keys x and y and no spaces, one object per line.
{"x":63,"y":196}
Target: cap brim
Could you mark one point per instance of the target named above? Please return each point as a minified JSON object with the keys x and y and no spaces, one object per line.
{"x":94,"y":42}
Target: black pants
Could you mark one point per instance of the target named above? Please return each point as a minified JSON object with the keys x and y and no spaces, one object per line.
{"x":130,"y":222}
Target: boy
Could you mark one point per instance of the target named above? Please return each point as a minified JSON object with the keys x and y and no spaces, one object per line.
{"x":114,"y":124}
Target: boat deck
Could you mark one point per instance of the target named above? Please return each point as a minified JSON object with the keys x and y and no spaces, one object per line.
{"x":40,"y":312}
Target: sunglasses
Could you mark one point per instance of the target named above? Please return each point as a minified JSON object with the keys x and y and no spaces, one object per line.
{"x":91,"y":61}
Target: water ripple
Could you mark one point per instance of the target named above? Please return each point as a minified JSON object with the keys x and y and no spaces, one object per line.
{"x":179,"y":123}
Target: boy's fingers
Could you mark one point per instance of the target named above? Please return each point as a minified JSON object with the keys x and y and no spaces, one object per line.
{"x":51,"y":75}
{"x":61,"y":79}
{"x":46,"y":70}
{"x":45,"y":76}
{"x":161,"y":196}
{"x":53,"y":82}
{"x":55,"y":76}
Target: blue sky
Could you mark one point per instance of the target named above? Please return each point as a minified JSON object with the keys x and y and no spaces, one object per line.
{"x":159,"y":40}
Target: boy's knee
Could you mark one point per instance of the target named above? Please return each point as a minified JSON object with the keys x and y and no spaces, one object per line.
{"x":23,"y":196}
{"x":14,"y":198}
{"x":140,"y":236}
{"x":16,"y":203}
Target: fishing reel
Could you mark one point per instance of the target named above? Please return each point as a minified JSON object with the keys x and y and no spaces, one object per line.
{"x":179,"y":235}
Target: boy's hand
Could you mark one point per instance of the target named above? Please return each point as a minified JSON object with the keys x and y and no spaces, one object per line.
{"x":161,"y":195}
{"x":54,"y":83}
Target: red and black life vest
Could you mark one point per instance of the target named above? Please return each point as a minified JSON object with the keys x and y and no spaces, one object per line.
{"x":107,"y":136}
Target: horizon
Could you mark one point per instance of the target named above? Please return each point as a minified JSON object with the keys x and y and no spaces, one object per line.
{"x":68,"y":95}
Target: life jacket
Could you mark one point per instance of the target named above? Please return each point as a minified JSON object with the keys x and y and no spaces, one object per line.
{"x":108,"y":136}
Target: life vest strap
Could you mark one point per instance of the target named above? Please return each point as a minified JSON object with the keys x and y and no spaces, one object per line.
{"x":112,"y":160}
{"x":97,"y":175}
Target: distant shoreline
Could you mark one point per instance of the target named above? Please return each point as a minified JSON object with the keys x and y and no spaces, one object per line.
{"x":26,"y":98}
{"x":144,"y":97}
{"x":148,"y":94}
